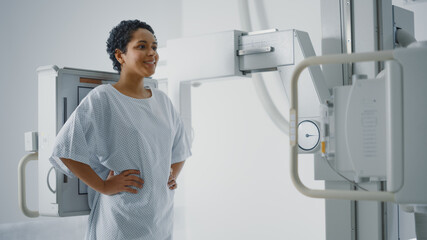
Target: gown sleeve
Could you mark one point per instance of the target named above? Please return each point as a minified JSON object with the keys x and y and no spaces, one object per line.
{"x":181,"y":148}
{"x":77,"y":138}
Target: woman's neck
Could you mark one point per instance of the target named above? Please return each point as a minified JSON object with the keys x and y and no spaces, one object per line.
{"x":132,"y":86}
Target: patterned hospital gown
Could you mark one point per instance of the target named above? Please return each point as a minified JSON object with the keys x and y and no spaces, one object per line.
{"x":110,"y":130}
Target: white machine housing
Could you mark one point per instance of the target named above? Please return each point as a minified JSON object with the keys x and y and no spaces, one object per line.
{"x":382,"y":137}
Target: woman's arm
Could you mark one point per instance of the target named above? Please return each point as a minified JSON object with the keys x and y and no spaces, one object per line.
{"x":112,"y":185}
{"x":175,"y":170}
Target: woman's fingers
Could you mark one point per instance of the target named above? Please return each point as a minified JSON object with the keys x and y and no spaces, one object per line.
{"x":171,"y":177}
{"x":135,"y":178}
{"x":131,"y":171}
{"x":130,"y":190}
{"x":129,"y":181}
{"x":133,"y":183}
{"x":172,"y":184}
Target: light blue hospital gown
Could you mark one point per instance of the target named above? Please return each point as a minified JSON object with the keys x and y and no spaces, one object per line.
{"x":110,"y":130}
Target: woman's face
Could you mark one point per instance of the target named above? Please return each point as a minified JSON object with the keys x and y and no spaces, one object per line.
{"x":141,"y":57}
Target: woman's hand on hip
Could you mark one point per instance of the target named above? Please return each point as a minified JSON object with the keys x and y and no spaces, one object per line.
{"x":172,"y":181}
{"x":122,"y":182}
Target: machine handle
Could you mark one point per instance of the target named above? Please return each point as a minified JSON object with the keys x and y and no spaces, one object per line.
{"x":22,"y":197}
{"x":293,"y":133}
{"x":255,"y":51}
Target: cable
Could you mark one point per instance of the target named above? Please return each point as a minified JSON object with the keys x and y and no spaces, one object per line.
{"x":257,"y":79}
{"x":348,"y":180}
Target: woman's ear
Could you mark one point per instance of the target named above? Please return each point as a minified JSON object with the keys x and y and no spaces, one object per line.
{"x":118,"y":54}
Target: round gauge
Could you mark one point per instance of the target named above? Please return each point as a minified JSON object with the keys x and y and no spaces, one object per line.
{"x":308,"y":135}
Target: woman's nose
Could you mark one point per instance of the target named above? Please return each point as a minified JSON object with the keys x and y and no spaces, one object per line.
{"x":152,"y":52}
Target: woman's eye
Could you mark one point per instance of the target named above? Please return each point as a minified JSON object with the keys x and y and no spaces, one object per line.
{"x":155,"y":48}
{"x":141,"y":46}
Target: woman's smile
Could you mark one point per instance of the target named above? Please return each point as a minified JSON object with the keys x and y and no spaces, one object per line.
{"x":150,"y":63}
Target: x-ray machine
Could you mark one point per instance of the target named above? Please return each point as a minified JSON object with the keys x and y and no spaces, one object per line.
{"x":367,"y":134}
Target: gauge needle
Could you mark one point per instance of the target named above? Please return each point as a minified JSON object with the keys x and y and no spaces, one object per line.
{"x":309,"y":135}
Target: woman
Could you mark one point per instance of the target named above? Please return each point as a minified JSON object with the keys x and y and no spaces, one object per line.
{"x":127,"y":143}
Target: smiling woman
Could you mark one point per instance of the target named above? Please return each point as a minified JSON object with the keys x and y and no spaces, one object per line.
{"x":127,"y":143}
{"x":132,"y":47}
{"x":138,"y":61}
{"x":121,"y":35}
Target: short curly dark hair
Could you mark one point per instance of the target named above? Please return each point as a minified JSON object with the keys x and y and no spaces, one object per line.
{"x":120,"y":36}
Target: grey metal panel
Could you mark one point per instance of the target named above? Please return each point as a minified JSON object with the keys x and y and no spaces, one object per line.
{"x":306,"y":50}
{"x":401,"y":225}
{"x":347,"y":37}
{"x":70,"y":201}
{"x":392,"y":229}
{"x":370,"y":216}
{"x":406,"y":224}
{"x":322,"y":171}
{"x":331,"y":40}
{"x":339,"y":215}
{"x":403,"y":18}
{"x":385,"y":23}
{"x":365,"y":37}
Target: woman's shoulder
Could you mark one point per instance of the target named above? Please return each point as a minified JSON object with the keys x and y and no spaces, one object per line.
{"x":161,"y":95}
{"x":99,"y":92}
{"x":102,"y":88}
{"x":164,"y":99}
{"x":95,"y":97}
{"x":158,"y":92}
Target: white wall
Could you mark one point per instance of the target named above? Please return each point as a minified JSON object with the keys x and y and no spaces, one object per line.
{"x":64,"y":33}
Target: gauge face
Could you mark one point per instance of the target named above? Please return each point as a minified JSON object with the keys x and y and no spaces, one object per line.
{"x":308,"y":135}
